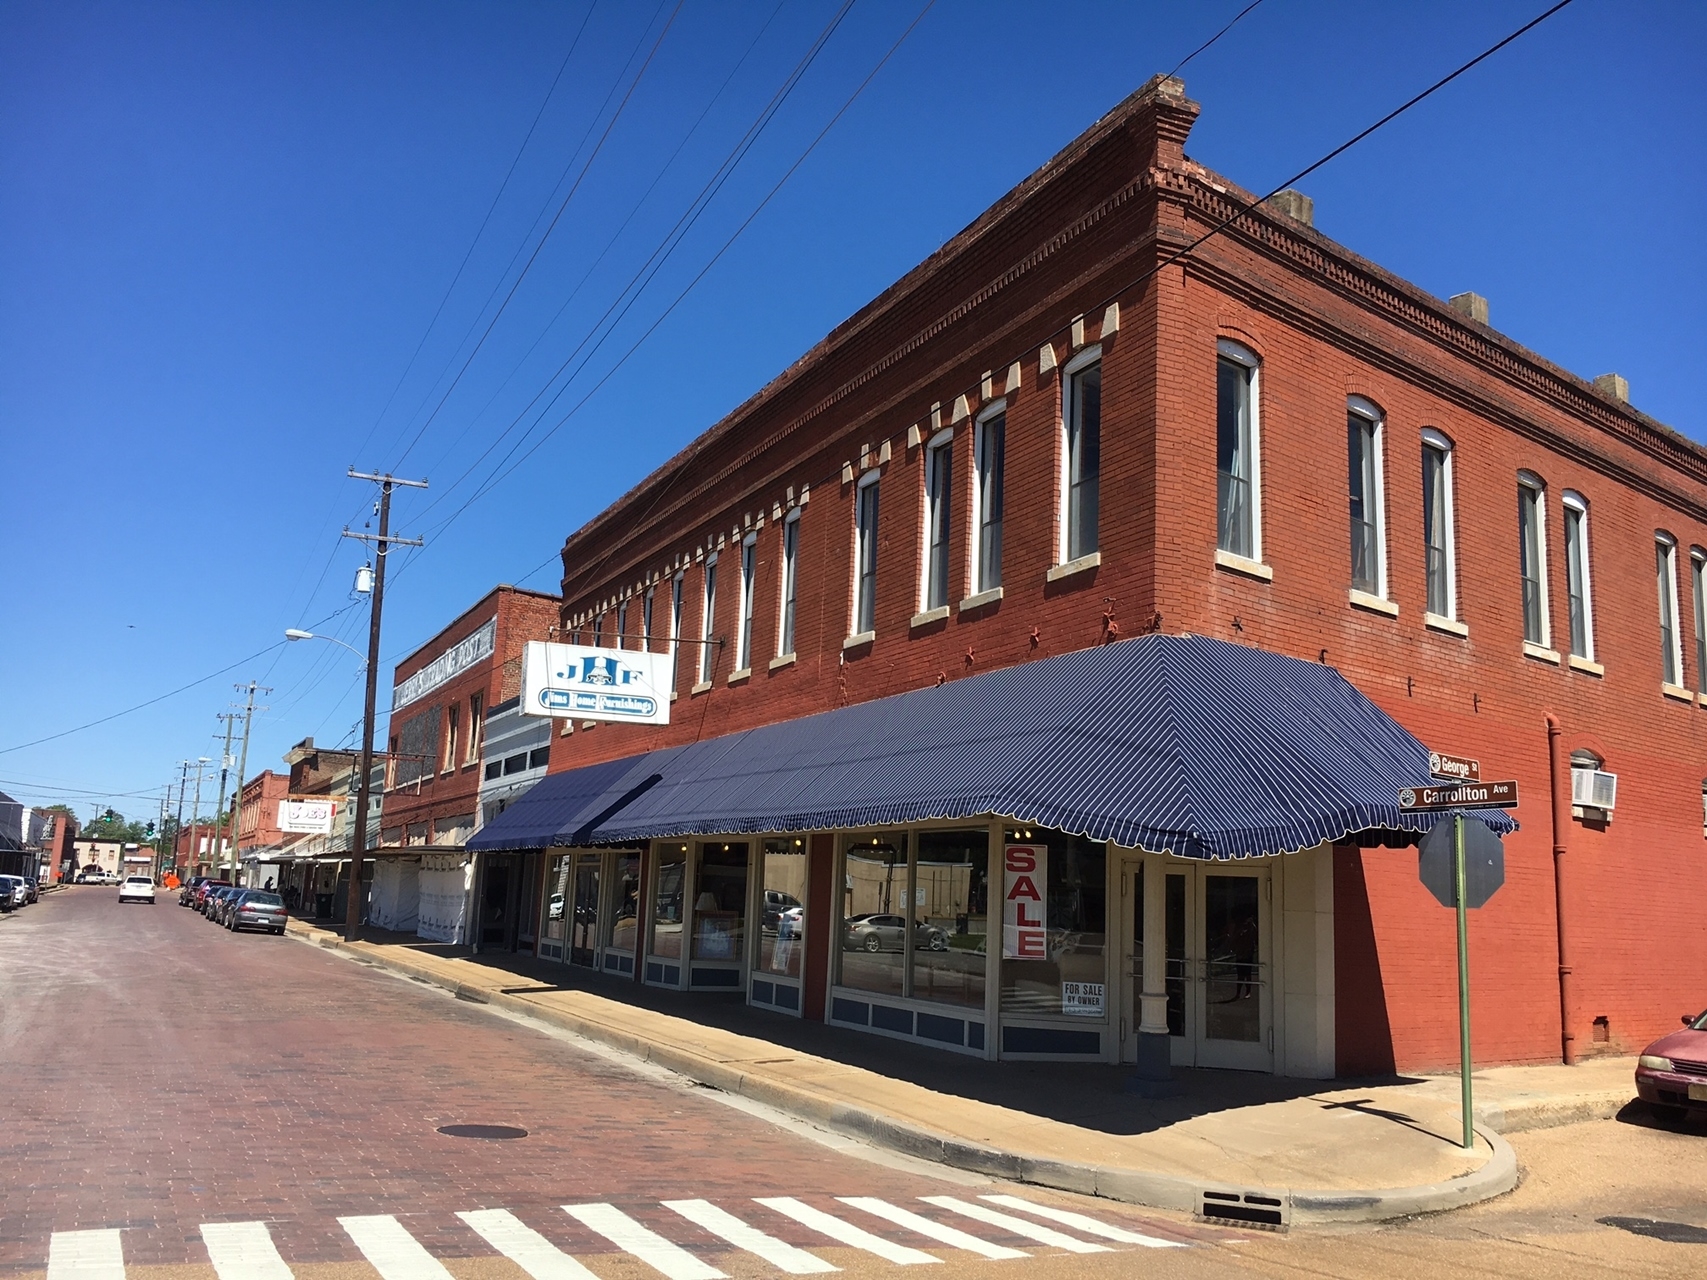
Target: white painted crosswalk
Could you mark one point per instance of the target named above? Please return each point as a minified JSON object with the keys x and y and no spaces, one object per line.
{"x":752,"y":1229}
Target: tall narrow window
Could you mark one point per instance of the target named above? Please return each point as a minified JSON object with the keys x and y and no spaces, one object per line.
{"x":677,"y":585}
{"x":865,"y":556}
{"x":790,"y":571}
{"x":1671,"y":650}
{"x":599,"y":631}
{"x":749,"y":571}
{"x":646,"y":620}
{"x":1082,"y":418}
{"x":476,"y":727}
{"x":708,"y":627}
{"x":939,"y":497}
{"x":1237,"y":495}
{"x":621,"y":623}
{"x":1363,"y":457}
{"x":452,"y":716}
{"x":1439,"y":560}
{"x":1698,"y":583}
{"x":1532,"y":557}
{"x":988,"y":448}
{"x":1577,"y":577}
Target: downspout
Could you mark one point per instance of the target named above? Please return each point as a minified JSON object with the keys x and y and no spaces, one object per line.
{"x":1561,"y":778}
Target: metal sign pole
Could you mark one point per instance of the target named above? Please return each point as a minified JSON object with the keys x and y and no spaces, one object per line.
{"x":1463,"y":981}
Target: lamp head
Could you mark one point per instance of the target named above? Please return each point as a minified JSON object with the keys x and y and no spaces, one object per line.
{"x":291,"y":633}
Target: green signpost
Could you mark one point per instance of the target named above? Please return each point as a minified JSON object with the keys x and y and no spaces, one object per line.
{"x":1462,"y":863}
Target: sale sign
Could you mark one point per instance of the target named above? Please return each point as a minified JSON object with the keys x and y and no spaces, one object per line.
{"x":1025,"y":904}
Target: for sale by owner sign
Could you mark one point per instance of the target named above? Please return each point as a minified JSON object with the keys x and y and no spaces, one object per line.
{"x":1025,"y":906}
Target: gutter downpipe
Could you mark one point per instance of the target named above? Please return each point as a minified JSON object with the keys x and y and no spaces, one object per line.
{"x":1560,"y":778}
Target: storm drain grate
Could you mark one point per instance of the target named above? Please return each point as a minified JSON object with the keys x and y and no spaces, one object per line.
{"x":1656,"y":1229}
{"x":1243,"y":1208}
{"x":491,"y":1132}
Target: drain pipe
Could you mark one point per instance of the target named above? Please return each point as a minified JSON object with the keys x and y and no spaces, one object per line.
{"x":1561,"y":781}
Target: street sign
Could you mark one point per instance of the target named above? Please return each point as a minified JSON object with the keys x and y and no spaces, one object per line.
{"x":1469,"y":795}
{"x":1458,"y":768}
{"x":1484,"y":863}
{"x":587,"y":683}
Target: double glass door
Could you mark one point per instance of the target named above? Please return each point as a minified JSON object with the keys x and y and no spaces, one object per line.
{"x":584,"y":914}
{"x":1211,"y":924}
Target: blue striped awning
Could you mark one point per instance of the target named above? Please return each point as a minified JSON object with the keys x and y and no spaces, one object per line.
{"x":1176,"y":744}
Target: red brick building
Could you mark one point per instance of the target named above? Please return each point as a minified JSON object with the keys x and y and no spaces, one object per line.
{"x":258,"y":820}
{"x":1080,"y":420}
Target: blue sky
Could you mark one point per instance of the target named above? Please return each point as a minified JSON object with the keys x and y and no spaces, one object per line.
{"x":224,"y":231}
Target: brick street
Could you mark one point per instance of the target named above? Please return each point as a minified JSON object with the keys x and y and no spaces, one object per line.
{"x":178,"y":1076}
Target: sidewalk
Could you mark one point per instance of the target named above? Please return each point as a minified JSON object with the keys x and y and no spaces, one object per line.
{"x":1327,"y":1152}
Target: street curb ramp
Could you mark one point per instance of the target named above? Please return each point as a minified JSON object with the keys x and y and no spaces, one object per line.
{"x":1131,"y":1186}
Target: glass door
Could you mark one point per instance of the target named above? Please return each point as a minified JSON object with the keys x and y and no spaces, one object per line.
{"x":1220,"y":1008}
{"x":584,"y":925}
{"x":556,"y":927}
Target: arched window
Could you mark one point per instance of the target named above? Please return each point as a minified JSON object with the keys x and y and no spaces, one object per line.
{"x":1440,"y":551}
{"x":1671,"y":644}
{"x":1364,"y":488}
{"x":1577,"y":582}
{"x":1532,"y":557}
{"x":1238,"y":439}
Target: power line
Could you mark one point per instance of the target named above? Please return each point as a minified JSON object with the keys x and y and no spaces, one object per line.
{"x":1220,"y":227}
{"x":557,"y":217}
{"x":1180,"y":65}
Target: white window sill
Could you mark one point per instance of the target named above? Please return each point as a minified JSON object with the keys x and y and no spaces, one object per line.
{"x":928,"y":616}
{"x":588,"y":726}
{"x":1677,"y":691}
{"x":674,"y":695}
{"x":1540,"y":653}
{"x":1070,"y":567}
{"x":1375,"y":604}
{"x":981,"y":599}
{"x":858,"y":638}
{"x":781,"y":661}
{"x":1452,"y":627}
{"x":1587,"y":665}
{"x":704,"y":686}
{"x":741,"y":676}
{"x":1239,"y":564}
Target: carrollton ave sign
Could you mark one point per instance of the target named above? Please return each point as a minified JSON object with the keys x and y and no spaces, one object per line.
{"x":1468,"y":795}
{"x":587,"y":683}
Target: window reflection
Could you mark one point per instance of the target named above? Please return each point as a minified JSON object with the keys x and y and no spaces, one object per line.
{"x":625,"y":903}
{"x":720,"y":902}
{"x":667,"y":904}
{"x":951,"y":899}
{"x":877,"y":891}
{"x":782,"y":913}
{"x":1074,"y":924}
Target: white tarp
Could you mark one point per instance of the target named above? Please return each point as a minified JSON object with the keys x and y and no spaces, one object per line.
{"x":396,"y":894}
{"x":443,"y":899}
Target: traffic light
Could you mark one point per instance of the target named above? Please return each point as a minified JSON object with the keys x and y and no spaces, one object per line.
{"x":149,"y":830}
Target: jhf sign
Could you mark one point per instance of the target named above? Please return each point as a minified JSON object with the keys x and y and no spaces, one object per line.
{"x":1025,"y":902}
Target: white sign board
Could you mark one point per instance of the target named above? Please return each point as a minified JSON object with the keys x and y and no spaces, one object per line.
{"x":307,"y":817}
{"x":452,"y":662}
{"x":1025,"y":902}
{"x":579,"y":681}
{"x":1082,"y":999}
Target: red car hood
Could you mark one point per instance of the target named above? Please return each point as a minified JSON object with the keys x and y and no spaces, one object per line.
{"x":1688,"y":1044}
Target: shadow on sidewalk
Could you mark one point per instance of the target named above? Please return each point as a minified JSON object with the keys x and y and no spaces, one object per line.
{"x":1090,"y":1095}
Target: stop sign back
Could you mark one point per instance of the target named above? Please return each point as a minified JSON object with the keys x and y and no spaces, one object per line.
{"x":1484,"y":862}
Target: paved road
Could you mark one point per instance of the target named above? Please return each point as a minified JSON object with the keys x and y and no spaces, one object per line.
{"x":193,"y":1105}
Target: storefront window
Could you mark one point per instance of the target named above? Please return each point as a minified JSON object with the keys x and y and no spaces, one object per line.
{"x":877,"y":897}
{"x":556,"y":903}
{"x":1063,"y":925}
{"x":720,"y":904}
{"x":625,"y":903}
{"x":782,"y":920}
{"x":584,"y":926}
{"x":951,"y":894}
{"x":667,"y":904}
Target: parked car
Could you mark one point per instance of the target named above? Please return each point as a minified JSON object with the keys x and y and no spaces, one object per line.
{"x":187,"y":894}
{"x":34,"y":887}
{"x":255,"y":909}
{"x":878,"y":932}
{"x":214,"y":908}
{"x":777,"y":903}
{"x":1671,"y":1074}
{"x":12,"y":894}
{"x":137,"y":889}
{"x":207,"y":886}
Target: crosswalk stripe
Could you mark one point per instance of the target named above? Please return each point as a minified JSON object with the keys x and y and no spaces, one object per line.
{"x":1080,"y":1222}
{"x":394,"y":1253}
{"x":1015,"y":1226}
{"x":85,"y":1255}
{"x":843,"y":1232}
{"x":785,"y":1257}
{"x":524,"y":1246}
{"x":933,"y":1230}
{"x":243,"y":1251}
{"x":651,"y":1248}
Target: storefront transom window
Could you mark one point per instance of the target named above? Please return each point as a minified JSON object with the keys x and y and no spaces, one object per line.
{"x":1059,"y":912}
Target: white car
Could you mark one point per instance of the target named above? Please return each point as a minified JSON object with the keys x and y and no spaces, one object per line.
{"x":137,"y":889}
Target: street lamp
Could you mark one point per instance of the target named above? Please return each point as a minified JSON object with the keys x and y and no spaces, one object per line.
{"x":292,"y":633}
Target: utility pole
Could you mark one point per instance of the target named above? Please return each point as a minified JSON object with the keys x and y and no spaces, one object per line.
{"x":242,"y":768}
{"x":224,"y":774}
{"x":353,"y":915}
{"x":202,"y":762}
{"x":178,"y":822}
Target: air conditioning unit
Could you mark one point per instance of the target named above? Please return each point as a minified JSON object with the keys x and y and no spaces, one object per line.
{"x":1594,"y":789}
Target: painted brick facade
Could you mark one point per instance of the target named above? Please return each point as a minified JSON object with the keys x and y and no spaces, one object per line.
{"x":1099,"y":223}
{"x":432,"y":794}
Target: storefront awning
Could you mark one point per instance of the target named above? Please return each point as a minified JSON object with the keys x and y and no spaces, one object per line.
{"x":1176,"y":744}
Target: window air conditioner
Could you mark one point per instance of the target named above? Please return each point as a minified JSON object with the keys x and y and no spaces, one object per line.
{"x":1593,"y":789}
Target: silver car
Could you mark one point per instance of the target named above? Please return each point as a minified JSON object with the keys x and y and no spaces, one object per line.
{"x":881,"y":932}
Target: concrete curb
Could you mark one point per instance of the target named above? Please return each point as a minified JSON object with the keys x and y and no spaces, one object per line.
{"x":1132,"y":1186}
